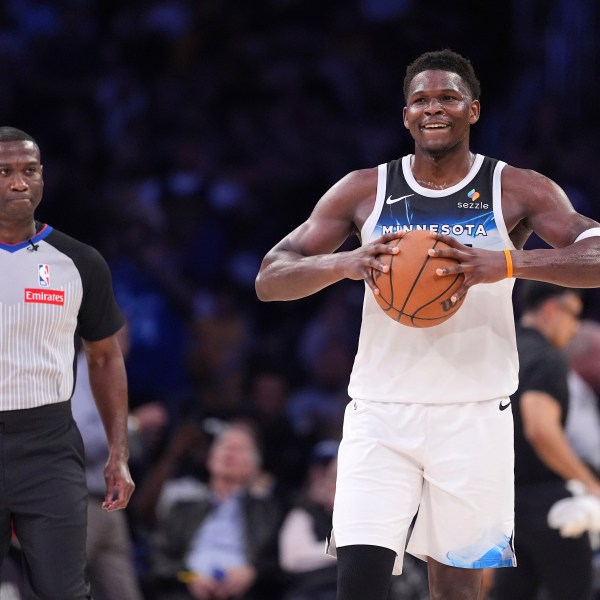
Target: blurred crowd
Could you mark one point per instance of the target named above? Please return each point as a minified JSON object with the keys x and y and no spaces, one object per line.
{"x":184,"y":138}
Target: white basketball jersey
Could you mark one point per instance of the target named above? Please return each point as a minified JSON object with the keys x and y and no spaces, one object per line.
{"x":470,"y":357}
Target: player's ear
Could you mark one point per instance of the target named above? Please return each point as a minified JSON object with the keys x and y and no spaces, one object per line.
{"x":404,"y":111}
{"x":474,"y":112}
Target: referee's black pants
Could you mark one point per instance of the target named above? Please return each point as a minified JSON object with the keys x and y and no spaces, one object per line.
{"x":43,"y":496}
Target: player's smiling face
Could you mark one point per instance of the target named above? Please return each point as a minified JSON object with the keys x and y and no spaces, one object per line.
{"x":439,"y":111}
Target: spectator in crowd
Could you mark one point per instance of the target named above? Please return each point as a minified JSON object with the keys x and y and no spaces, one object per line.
{"x":303,"y":534}
{"x":217,"y":354}
{"x":222,"y":543}
{"x":285,"y":452}
{"x":583,"y":421}
{"x":177,"y":474}
{"x":544,"y":459}
{"x":157,"y":305}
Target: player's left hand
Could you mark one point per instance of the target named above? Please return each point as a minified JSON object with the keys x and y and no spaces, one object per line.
{"x":119,"y":485}
{"x":476,"y":264}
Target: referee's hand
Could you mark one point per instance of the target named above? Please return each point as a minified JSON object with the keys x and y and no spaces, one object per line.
{"x":119,"y":485}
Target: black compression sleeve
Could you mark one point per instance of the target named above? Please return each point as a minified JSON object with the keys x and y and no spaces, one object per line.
{"x":364,"y":572}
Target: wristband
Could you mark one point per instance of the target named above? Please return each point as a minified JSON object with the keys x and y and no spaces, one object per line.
{"x":509,"y":265}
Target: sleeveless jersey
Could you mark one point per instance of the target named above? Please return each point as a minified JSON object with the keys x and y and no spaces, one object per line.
{"x":470,"y":357}
{"x":54,"y":288}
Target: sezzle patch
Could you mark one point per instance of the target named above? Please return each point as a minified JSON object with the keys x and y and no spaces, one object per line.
{"x":37,"y":296}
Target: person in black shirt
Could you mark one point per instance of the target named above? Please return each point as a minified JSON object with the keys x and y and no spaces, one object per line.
{"x":544,"y":459}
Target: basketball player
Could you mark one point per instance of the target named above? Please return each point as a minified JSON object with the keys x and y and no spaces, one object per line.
{"x":429,"y":431}
{"x":53,"y":287}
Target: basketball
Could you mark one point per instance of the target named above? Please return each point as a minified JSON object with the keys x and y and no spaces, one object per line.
{"x":411,"y":292}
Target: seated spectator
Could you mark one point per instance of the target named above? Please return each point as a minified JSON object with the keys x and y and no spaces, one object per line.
{"x":222,"y":542}
{"x":302,"y":538}
{"x":178,"y":473}
{"x":285,"y":451}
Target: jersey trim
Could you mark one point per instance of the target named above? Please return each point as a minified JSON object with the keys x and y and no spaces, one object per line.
{"x":44,"y":232}
{"x":498,"y":214}
{"x":369,"y":225}
{"x":423,"y":191}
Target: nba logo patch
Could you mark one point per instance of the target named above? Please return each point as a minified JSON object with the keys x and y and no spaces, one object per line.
{"x":43,"y":275}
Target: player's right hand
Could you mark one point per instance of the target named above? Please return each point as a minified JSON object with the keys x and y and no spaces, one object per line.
{"x":362,"y":261}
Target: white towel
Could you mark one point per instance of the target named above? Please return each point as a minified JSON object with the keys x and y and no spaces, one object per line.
{"x":576,"y":515}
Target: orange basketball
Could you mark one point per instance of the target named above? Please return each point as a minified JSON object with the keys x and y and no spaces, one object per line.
{"x":411,"y":292}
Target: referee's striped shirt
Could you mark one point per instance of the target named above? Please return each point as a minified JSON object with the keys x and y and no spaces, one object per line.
{"x":52,"y":289}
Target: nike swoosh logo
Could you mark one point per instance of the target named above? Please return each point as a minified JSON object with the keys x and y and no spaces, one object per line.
{"x":504,"y":406}
{"x":391,"y":200}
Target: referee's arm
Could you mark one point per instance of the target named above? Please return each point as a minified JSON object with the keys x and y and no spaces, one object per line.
{"x":108,"y":381}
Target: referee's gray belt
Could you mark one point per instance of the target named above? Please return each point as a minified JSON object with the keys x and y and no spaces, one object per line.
{"x":25,"y":419}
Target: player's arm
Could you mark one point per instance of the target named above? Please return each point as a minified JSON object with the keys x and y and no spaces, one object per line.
{"x":542,"y":427}
{"x":531,"y":202}
{"x":108,"y":381}
{"x":546,"y":210}
{"x":305,"y":261}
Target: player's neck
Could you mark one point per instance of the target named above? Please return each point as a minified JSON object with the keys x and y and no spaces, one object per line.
{"x":441,"y":172}
{"x":15,"y":233}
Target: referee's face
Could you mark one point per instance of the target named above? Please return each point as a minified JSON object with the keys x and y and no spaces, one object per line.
{"x":21,"y":181}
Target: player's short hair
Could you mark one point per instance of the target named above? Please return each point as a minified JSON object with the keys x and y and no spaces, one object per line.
{"x":532,"y":294}
{"x":12,"y":134}
{"x":444,"y":60}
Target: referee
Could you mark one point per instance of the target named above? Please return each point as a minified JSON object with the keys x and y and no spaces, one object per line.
{"x":54,"y":290}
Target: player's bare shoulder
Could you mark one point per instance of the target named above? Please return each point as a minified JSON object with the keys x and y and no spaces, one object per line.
{"x":514,"y":179}
{"x":533,"y":202}
{"x":354,"y":194}
{"x":526,"y":192}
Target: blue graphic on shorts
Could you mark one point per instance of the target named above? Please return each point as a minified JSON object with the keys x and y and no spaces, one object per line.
{"x":474,"y":557}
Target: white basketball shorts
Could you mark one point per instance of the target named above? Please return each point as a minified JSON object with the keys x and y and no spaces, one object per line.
{"x":448,"y":467}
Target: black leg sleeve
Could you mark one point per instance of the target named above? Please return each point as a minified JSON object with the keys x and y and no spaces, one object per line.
{"x":364,"y":572}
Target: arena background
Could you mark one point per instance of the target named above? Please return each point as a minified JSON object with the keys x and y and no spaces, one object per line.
{"x":185,"y":138}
